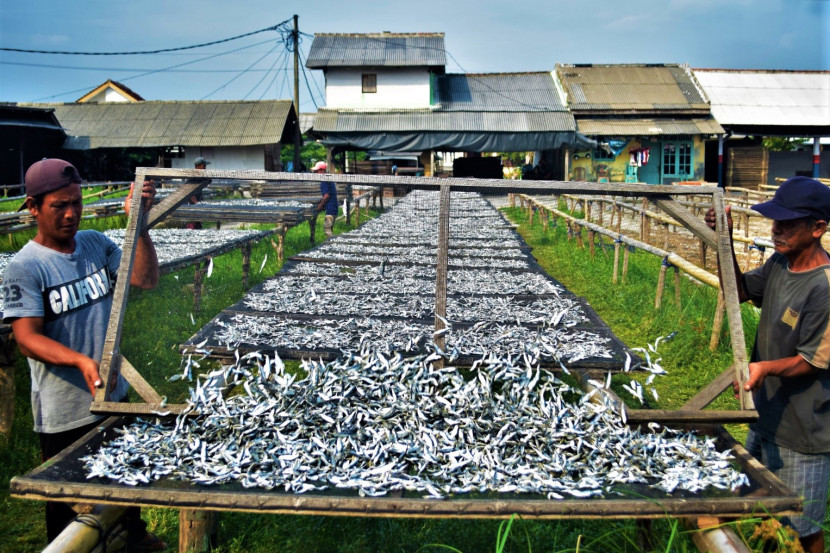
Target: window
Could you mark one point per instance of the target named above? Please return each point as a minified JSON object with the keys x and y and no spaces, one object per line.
{"x":677,"y":159}
{"x":370,"y":82}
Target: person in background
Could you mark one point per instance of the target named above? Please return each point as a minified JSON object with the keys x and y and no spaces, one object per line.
{"x":788,"y":370}
{"x":328,"y":199}
{"x":58,"y":292}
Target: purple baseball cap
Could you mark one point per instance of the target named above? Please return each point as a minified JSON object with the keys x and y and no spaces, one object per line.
{"x":48,"y":175}
{"x":795,"y":198}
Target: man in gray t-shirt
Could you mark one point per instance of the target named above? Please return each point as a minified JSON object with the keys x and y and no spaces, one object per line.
{"x":788,"y":371}
{"x":58,"y":296}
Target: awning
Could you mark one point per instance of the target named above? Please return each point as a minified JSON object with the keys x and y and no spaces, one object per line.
{"x":459,"y":141}
{"x":648,"y":126}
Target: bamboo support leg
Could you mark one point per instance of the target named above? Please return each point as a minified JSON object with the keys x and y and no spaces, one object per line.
{"x":619,"y":219}
{"x":357,"y":214}
{"x":702,"y":254}
{"x":616,"y":261}
{"x":246,"y":264}
{"x":512,"y":198}
{"x":717,"y":324}
{"x":197,"y":531}
{"x":544,"y":216}
{"x":579,"y":237}
{"x":591,"y":243}
{"x":588,"y":208}
{"x":531,"y":211}
{"x":281,"y":245}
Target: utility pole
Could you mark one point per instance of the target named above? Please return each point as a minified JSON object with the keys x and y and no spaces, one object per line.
{"x":296,"y":35}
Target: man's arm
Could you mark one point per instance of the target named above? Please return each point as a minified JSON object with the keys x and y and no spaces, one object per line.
{"x":28,"y":332}
{"x":145,"y":273}
{"x":711,"y":221}
{"x":322,"y":205}
{"x":788,"y":367}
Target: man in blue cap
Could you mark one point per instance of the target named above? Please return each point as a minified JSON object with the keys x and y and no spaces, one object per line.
{"x":788,"y":370}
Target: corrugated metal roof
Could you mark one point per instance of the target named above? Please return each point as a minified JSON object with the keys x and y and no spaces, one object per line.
{"x":498,"y":92}
{"x":625,"y":87}
{"x":377,"y":50}
{"x":158,"y":124}
{"x":750,"y":97}
{"x":442,"y":121}
{"x":647,"y":127}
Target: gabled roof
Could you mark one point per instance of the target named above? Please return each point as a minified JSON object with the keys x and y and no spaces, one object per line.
{"x":498,"y":92}
{"x":629,"y":89}
{"x":756,"y":98}
{"x":377,"y":50}
{"x":121,"y":89}
{"x":160,"y":124}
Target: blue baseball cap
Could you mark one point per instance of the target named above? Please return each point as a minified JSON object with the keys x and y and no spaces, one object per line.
{"x":795,"y":198}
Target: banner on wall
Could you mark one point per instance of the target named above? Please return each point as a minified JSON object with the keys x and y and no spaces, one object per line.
{"x":617,"y":145}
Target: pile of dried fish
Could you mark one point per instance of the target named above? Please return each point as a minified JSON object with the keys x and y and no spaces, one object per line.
{"x":176,"y":244}
{"x":374,"y":424}
{"x":390,"y":335}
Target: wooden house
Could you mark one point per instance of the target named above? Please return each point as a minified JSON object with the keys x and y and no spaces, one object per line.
{"x":650,"y":122}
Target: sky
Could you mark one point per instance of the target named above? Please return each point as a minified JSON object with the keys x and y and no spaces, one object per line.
{"x":481,"y":36}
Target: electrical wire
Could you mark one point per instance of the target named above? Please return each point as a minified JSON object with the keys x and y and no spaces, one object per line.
{"x":241,"y":72}
{"x":87,"y":88}
{"x":269,"y":70}
{"x":122,"y":69}
{"x":284,"y":70}
{"x":276,"y":27}
{"x":317,"y":86}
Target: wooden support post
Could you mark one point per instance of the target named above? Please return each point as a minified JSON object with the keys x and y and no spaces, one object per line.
{"x":197,"y":287}
{"x":625,"y":264}
{"x":357,"y":214}
{"x":601,"y":209}
{"x":661,"y":284}
{"x":530,"y":213}
{"x":616,"y":260}
{"x":246,"y":264}
{"x":702,"y":254}
{"x":578,"y":233}
{"x":512,"y":197}
{"x":588,"y":207}
{"x":544,"y":215}
{"x":591,"y":243}
{"x":619,"y":219}
{"x":717,"y":323}
{"x":312,"y":226}
{"x":677,"y":287}
{"x":197,"y":531}
{"x":666,"y":237}
{"x":381,"y":199}
{"x":441,"y":263}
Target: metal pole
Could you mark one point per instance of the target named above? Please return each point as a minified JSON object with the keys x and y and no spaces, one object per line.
{"x":296,"y":36}
{"x":816,"y":156}
{"x":720,"y":161}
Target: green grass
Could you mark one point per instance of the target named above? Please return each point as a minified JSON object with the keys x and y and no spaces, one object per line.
{"x":158,"y":321}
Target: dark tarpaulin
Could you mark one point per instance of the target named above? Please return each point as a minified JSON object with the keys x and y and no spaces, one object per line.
{"x":458,"y":141}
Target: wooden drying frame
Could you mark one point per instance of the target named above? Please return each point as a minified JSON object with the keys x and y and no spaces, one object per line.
{"x":660,"y":195}
{"x":61,"y":479}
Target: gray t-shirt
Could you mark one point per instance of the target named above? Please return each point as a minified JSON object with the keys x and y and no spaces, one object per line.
{"x":73,"y":295}
{"x":795,"y":320}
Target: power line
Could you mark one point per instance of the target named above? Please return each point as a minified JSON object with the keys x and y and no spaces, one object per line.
{"x":272,"y":28}
{"x":241,"y":72}
{"x":86,"y":89}
{"x":269,"y":70}
{"x":123,"y":69}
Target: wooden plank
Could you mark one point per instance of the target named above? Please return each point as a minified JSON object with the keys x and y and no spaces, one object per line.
{"x":169,"y":204}
{"x":441,"y":263}
{"x":112,"y":354}
{"x":729,"y":284}
{"x":680,"y":416}
{"x":708,"y":394}
{"x":688,"y":219}
{"x":138,"y":383}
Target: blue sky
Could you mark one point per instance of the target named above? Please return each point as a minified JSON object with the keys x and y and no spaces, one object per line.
{"x":480,"y":36}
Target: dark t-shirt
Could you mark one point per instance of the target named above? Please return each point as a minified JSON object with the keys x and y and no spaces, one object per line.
{"x":330,"y":189}
{"x":795,"y":320}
